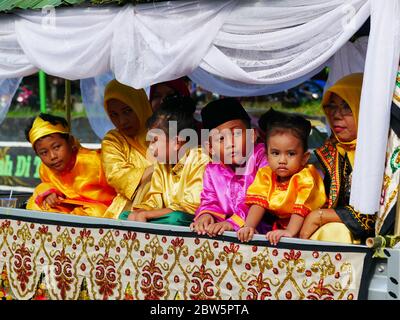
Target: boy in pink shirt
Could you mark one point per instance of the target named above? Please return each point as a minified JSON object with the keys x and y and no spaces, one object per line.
{"x":236,"y":159}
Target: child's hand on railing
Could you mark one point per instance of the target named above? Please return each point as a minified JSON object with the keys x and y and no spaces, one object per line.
{"x":201,"y":223}
{"x":245,"y":234}
{"x":275,"y":235}
{"x":218,"y":228}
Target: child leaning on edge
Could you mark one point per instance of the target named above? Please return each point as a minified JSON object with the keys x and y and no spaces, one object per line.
{"x":73,"y":179}
{"x":287,"y":188}
{"x":235,"y":163}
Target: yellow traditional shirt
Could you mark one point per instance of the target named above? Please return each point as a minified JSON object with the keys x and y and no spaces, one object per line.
{"x":303,"y":193}
{"x":84,"y":186}
{"x":124,"y":166}
{"x":177,"y":187}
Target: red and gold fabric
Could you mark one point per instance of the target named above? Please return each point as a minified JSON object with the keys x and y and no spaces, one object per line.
{"x":77,"y":259}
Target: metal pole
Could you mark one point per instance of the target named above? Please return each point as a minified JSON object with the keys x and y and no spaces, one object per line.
{"x":68,"y":101}
{"x":42,"y":91}
{"x":397,"y":218}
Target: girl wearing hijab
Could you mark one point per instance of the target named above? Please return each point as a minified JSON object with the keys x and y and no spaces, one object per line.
{"x":124,"y":149}
{"x":339,"y":222}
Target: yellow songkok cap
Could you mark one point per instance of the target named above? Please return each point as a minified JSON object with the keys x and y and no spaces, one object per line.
{"x":41,"y":128}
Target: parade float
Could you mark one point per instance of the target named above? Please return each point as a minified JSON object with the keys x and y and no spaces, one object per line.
{"x":233,"y":48}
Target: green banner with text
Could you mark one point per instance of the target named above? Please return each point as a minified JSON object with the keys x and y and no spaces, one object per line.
{"x":19,"y":166}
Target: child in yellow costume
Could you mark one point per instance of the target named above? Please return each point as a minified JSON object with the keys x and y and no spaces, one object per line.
{"x":124,"y":160}
{"x":287,"y":188}
{"x":72,"y":177}
{"x":177,"y":180}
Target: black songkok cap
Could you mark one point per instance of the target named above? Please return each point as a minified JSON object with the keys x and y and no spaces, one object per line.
{"x":223,"y":110}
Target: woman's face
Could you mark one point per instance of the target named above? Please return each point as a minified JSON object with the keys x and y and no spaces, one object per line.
{"x":341,"y":118}
{"x":123,"y":117}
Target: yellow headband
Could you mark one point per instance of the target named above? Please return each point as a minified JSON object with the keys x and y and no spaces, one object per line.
{"x":41,"y":128}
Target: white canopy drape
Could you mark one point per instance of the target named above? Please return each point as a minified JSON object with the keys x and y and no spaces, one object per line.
{"x":259,"y":44}
{"x":381,"y":67}
{"x":252,"y":42}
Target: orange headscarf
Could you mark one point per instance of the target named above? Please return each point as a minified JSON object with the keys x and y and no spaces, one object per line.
{"x":349,"y":89}
{"x":137,"y":100}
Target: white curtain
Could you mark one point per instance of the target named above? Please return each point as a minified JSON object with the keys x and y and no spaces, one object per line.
{"x":278,"y":41}
{"x":14,"y":62}
{"x":92,"y":91}
{"x":349,"y":59}
{"x":378,"y":86}
{"x":8,"y":87}
{"x":234,"y":88}
{"x":253,"y":42}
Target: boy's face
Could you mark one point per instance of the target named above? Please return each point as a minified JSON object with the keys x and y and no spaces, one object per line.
{"x":54,"y":151}
{"x":123,"y":117}
{"x":230,"y":140}
{"x":286,"y":155}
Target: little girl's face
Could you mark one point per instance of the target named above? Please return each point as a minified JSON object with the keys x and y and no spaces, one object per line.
{"x":54,"y":151}
{"x":286,"y":155}
{"x":162,"y":148}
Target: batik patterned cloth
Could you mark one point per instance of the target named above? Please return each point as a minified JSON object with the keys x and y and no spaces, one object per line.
{"x":77,"y":259}
{"x":387,"y":209}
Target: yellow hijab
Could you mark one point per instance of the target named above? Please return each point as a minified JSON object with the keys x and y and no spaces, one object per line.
{"x":349,"y":89}
{"x":137,"y":100}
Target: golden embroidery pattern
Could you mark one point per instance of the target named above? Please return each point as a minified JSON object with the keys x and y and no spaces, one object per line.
{"x":40,"y":261}
{"x":367,"y":221}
